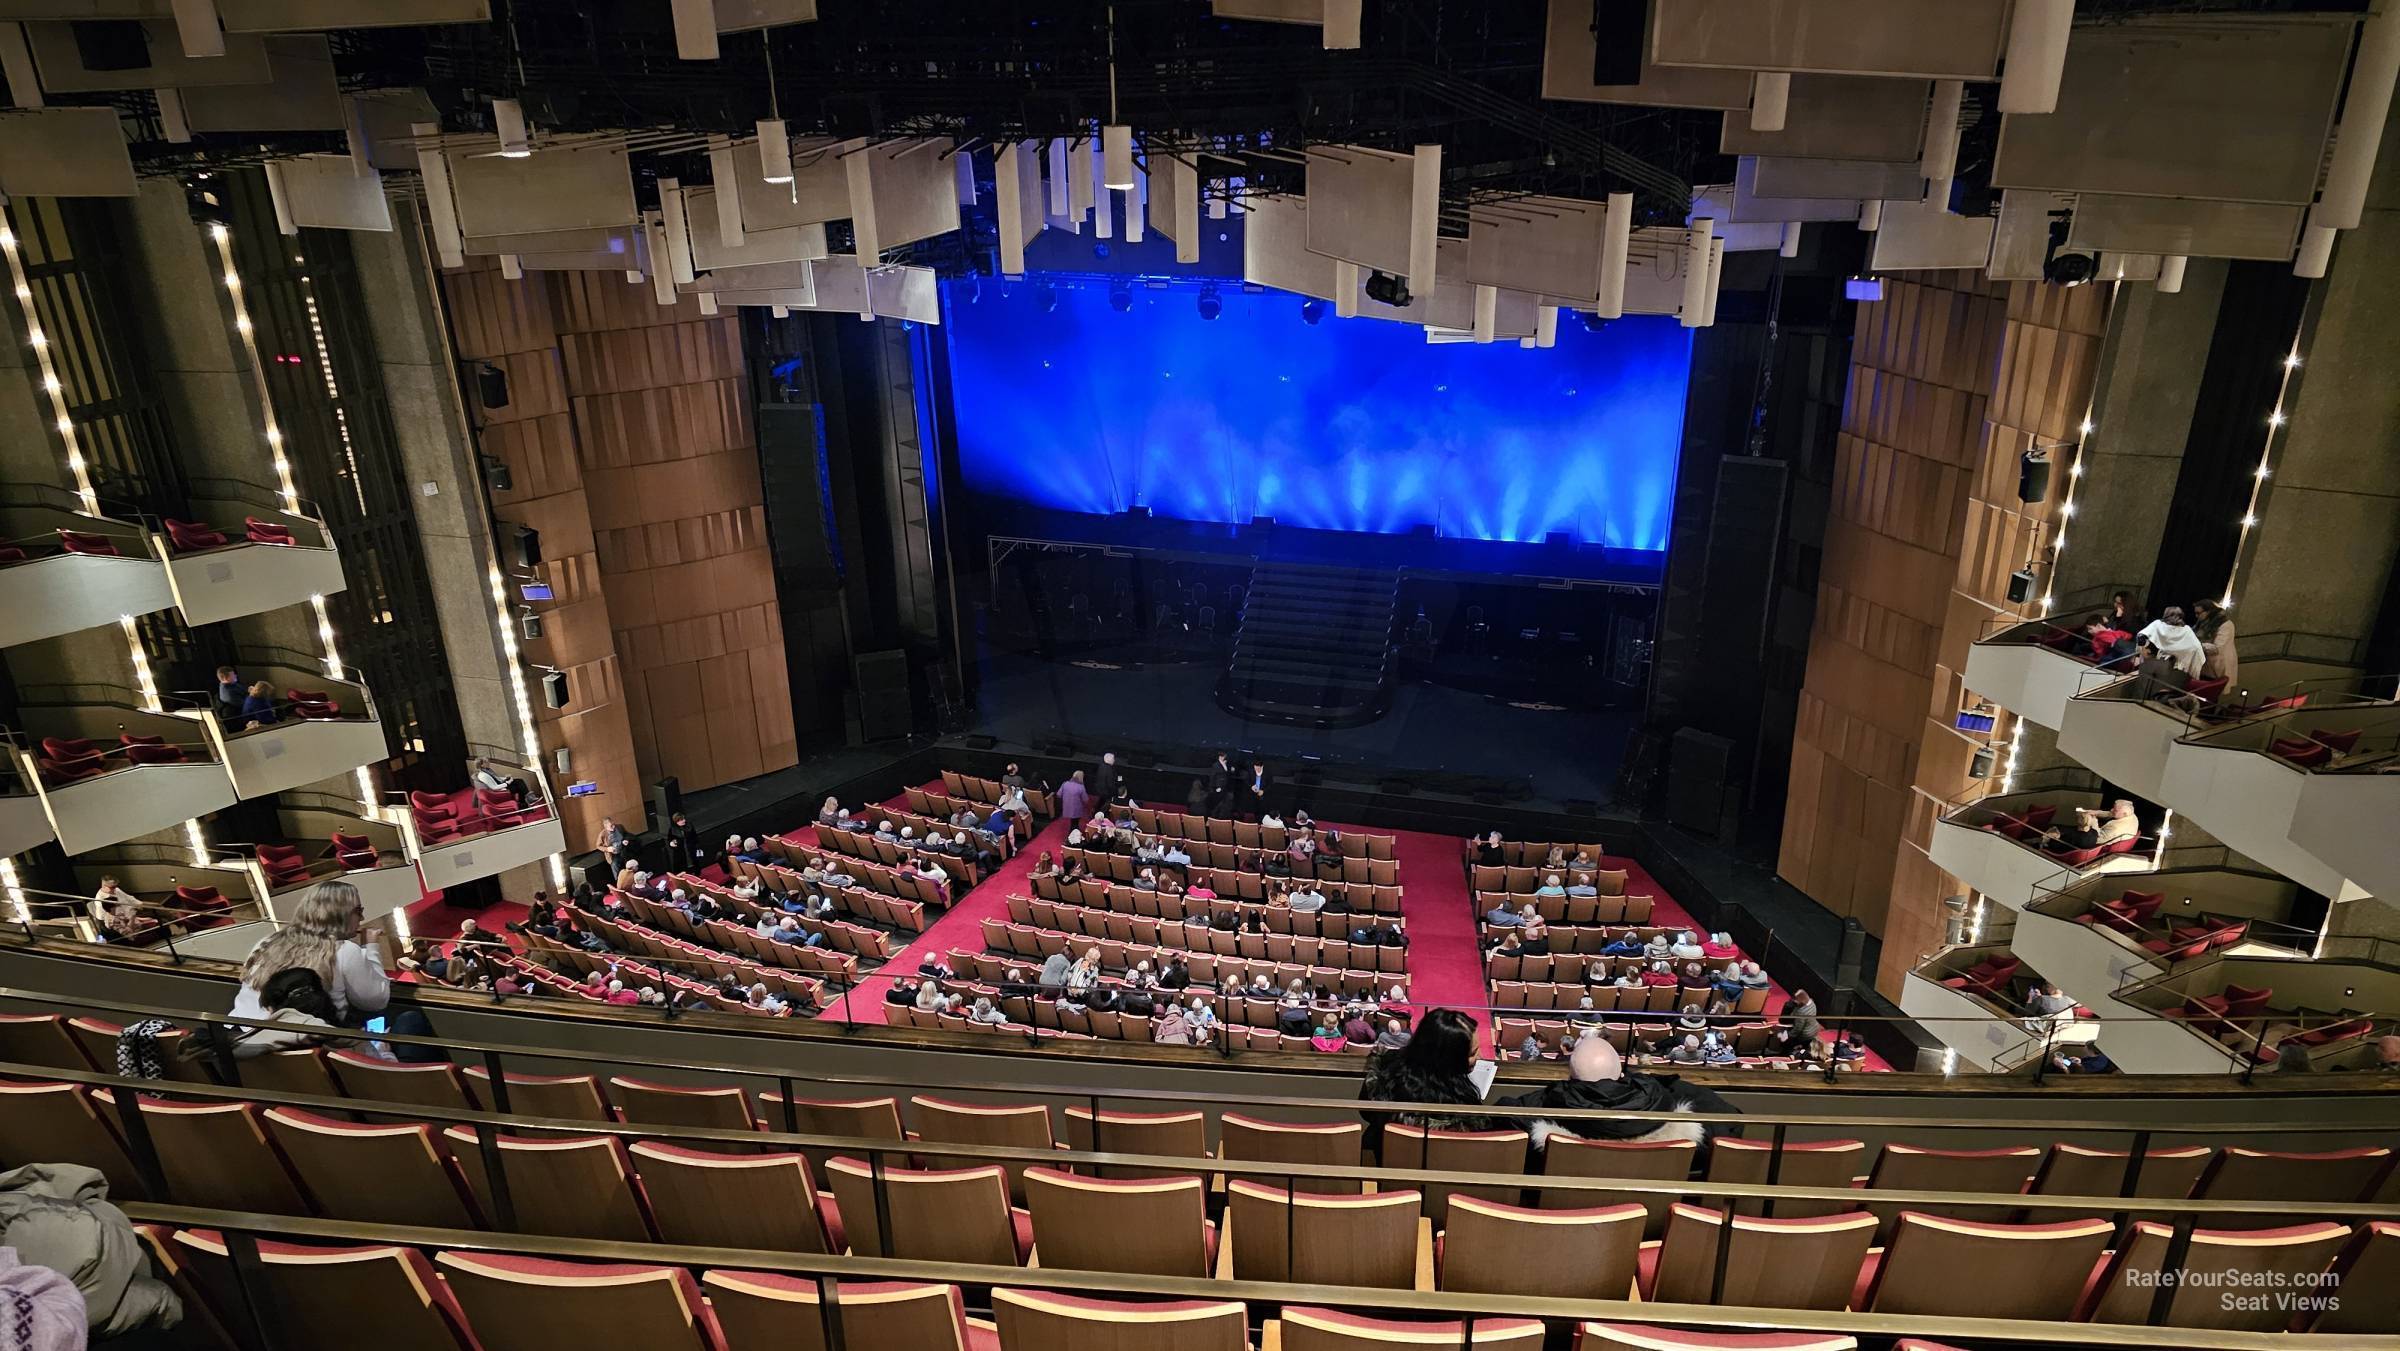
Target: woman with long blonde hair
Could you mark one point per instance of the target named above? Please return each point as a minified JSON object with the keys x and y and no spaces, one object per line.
{"x":327,"y":934}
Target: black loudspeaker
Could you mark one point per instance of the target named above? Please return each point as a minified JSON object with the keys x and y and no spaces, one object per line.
{"x":491,"y":386}
{"x":495,"y":473}
{"x":1620,"y":36}
{"x":1697,"y":770}
{"x":554,"y":689}
{"x":529,"y":546}
{"x":2033,"y":477}
{"x":1979,"y":766}
{"x":1853,"y":955}
{"x":881,"y":679}
{"x":666,"y":799}
{"x":2020,"y":586}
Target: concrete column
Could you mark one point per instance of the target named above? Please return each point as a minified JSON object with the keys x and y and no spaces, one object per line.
{"x":2150,"y":374}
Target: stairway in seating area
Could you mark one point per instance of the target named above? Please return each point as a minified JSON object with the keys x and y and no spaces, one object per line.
{"x":1314,"y":647}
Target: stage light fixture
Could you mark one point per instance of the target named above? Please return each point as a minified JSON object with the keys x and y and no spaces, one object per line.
{"x":1211,"y":304}
{"x":774,"y":151}
{"x":1312,"y":311}
{"x":1046,"y":296}
{"x":1592,"y":323}
{"x":1116,"y":157}
{"x":1384,"y":288}
{"x":1120,"y":296}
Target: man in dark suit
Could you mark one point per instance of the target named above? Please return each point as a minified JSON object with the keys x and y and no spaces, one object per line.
{"x":1254,"y":790}
{"x":1220,"y":785}
{"x":683,"y":845}
{"x":1104,"y":780}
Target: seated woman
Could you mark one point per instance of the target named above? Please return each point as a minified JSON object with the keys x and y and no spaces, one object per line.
{"x":1687,"y":947}
{"x":1551,"y":886}
{"x":1659,"y":973}
{"x":1727,"y":982}
{"x":1044,"y":866}
{"x":1659,"y":948}
{"x":1720,"y":947}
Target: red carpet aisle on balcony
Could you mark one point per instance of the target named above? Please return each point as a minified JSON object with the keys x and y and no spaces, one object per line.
{"x":959,"y":927}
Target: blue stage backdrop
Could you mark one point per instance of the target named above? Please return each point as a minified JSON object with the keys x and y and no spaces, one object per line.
{"x":1347,"y":424}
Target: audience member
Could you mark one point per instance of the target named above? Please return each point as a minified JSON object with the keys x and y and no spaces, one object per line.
{"x":2214,"y":628}
{"x":2173,"y":641}
{"x":2092,"y":828}
{"x":328,"y":934}
{"x":1074,"y":800}
{"x":1433,"y":1067}
{"x":1597,"y":1079}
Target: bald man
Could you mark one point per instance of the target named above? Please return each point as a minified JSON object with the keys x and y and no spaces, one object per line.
{"x":1597,"y":1079}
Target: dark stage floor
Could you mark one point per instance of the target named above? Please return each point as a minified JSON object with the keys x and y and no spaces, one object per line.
{"x":1565,"y":754}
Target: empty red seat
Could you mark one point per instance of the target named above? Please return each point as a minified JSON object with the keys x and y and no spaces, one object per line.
{"x":72,"y":770}
{"x":68,"y":747}
{"x":266,"y":532}
{"x":187,"y":536}
{"x":2243,"y":1001}
{"x":2206,"y":691}
{"x":2301,"y":751}
{"x":313,"y":704}
{"x":79,"y":542}
{"x":2333,"y":1032}
{"x":2342,"y":742}
{"x":355,"y":851}
{"x":13,"y":553}
{"x":149,"y":750}
{"x":283,"y":864}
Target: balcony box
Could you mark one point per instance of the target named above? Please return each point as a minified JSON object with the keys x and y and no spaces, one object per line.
{"x":456,"y":837}
{"x":2032,"y":669}
{"x":333,"y":841}
{"x":2244,"y":783}
{"x":2120,"y":733}
{"x":108,"y":772}
{"x":330,"y":729}
{"x":2345,"y":819}
{"x":244,"y":558}
{"x":1978,"y":844}
{"x":1985,"y":1035}
{"x":62,"y":572}
{"x":193,"y":904}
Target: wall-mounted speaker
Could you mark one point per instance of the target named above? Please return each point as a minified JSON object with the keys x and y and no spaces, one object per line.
{"x":2020,"y":586}
{"x":496,"y":475}
{"x":564,"y":760}
{"x":1980,"y":767}
{"x":2033,"y":477}
{"x":528,"y":545}
{"x":529,"y":626}
{"x":554,"y":689}
{"x":491,"y":385}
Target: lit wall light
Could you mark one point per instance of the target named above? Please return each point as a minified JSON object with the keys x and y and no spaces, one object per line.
{"x":11,"y":888}
{"x":2261,"y":472}
{"x":504,"y":623}
{"x":51,"y":384}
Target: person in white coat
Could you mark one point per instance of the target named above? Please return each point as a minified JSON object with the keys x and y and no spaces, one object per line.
{"x":328,"y":934}
{"x":2174,"y":640}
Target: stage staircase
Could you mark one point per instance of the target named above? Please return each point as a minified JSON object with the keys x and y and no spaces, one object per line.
{"x":1315,"y":646}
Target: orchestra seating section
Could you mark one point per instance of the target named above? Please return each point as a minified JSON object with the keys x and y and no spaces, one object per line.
{"x":908,"y":1176}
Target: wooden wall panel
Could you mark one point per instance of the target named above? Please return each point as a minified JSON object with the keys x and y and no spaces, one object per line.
{"x":1952,"y":376}
{"x":629,"y":443}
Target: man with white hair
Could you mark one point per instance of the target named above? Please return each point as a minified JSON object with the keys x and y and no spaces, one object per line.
{"x":1598,"y":1079}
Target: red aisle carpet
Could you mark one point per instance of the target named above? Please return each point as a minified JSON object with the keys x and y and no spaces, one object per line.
{"x":961,"y":926}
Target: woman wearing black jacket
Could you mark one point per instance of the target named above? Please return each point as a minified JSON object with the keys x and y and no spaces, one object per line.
{"x":1432,"y":1068}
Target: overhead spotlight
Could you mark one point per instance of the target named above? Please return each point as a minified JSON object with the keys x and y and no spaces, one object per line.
{"x":1120,"y":296}
{"x":1046,"y":296}
{"x":1384,"y":288}
{"x":1100,"y":250}
{"x":1211,"y":304}
{"x":508,"y":118}
{"x":2062,"y":265}
{"x":1312,"y":311}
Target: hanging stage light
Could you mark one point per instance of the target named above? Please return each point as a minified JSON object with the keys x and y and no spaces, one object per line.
{"x":1312,"y":311}
{"x":1046,"y":297}
{"x":1120,"y":295}
{"x":1384,"y":288}
{"x":1211,"y":304}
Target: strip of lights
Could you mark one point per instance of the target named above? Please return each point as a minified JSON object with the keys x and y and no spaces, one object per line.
{"x":507,"y":629}
{"x":14,"y":890}
{"x":284,"y":484}
{"x":2265,"y":469}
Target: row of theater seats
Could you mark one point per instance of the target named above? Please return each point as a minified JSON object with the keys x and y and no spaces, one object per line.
{"x":69,"y":542}
{"x":1370,"y":907}
{"x":877,"y":893}
{"x":562,"y":968}
{"x":441,"y":818}
{"x":2043,"y":1263}
{"x":889,"y":850}
{"x":1047,"y":927}
{"x":436,"y":1300}
{"x":72,"y":759}
{"x":287,"y":866}
{"x":1214,"y":862}
{"x":1251,"y":835}
{"x":1525,"y":880}
{"x":988,"y":792}
{"x":845,"y":944}
{"x":1573,"y":917}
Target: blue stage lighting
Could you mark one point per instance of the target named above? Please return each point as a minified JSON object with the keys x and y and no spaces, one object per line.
{"x":1332,"y":426}
{"x":1120,"y":296}
{"x":1046,"y":296}
{"x":1211,"y":304}
{"x":1312,"y":311}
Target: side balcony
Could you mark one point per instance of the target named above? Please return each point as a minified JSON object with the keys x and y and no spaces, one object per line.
{"x":1962,"y":996}
{"x":108,"y":770}
{"x":2101,"y":936}
{"x":62,"y":571}
{"x":180,"y":905}
{"x":2034,"y":667}
{"x":315,"y":728}
{"x":1994,"y":844}
{"x":244,"y":554}
{"x":2256,"y":1010}
{"x":2250,"y":784}
{"x":471,"y":832}
{"x":23,"y":823}
{"x":323,"y":837}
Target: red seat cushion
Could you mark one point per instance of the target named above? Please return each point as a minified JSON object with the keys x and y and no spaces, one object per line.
{"x":70,"y":771}
{"x":185,"y":536}
{"x":77,"y":542}
{"x":2306,"y":753}
{"x":2342,"y":742}
{"x":154,"y":755}
{"x":266,"y":532}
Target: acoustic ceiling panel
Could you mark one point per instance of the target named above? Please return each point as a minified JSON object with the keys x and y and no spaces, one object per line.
{"x":841,"y":284}
{"x":1751,"y":205}
{"x":301,"y":95}
{"x":1567,"y":56}
{"x":2221,"y":109}
{"x":1839,"y":117}
{"x":1915,"y":236}
{"x":791,"y":244}
{"x":60,"y":62}
{"x":1930,"y":39}
{"x":1715,"y":201}
{"x":1364,"y":206}
{"x":299,"y":16}
{"x":746,"y":16}
{"x":1174,"y":206}
{"x":912,"y":293}
{"x":1840,"y":179}
{"x":819,"y":190}
{"x":559,"y":187}
{"x":1537,"y":245}
{"x":900,"y":192}
{"x":1654,"y":270}
{"x":385,"y":116}
{"x":329,"y":192}
{"x":64,"y":152}
{"x":611,"y":239}
{"x":1339,"y":18}
{"x":1275,"y":249}
{"x":2192,"y":228}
